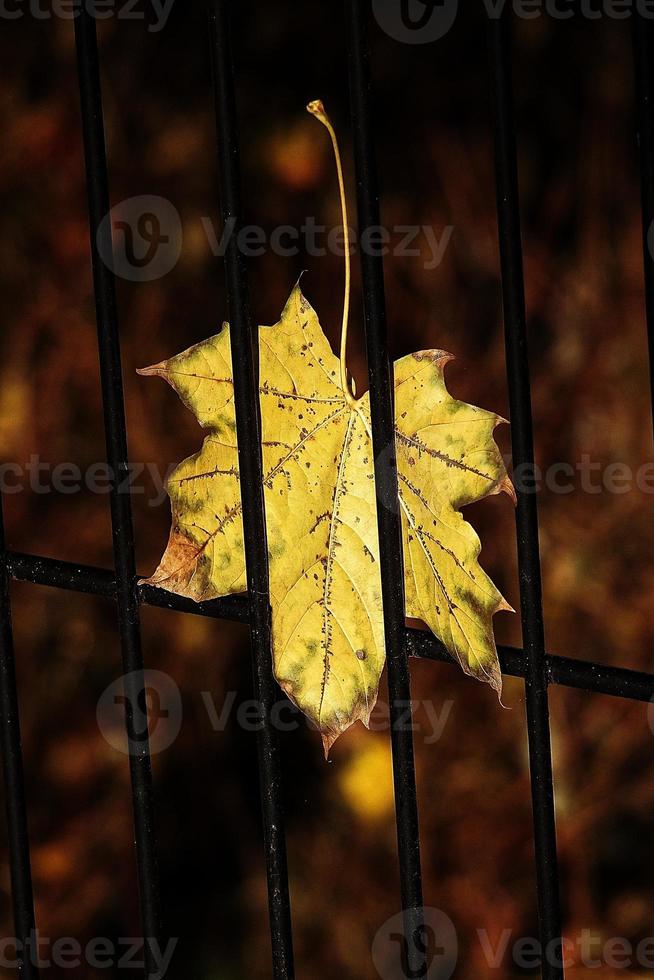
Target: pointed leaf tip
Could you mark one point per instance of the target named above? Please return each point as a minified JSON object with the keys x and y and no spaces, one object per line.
{"x":327,"y":742}
{"x":507,"y":487}
{"x":438,"y":357}
{"x":505,"y":606}
{"x":154,"y":369}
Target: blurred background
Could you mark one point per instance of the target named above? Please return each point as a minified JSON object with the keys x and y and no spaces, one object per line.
{"x":583,"y":267}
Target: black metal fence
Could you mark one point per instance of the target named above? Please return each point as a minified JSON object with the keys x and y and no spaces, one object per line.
{"x":538,"y":669}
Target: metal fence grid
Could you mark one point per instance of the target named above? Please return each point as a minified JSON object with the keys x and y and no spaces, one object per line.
{"x":538,"y":669}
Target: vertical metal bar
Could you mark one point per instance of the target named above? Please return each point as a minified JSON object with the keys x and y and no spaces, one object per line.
{"x":12,"y":766}
{"x":388,"y":510}
{"x":643,"y":41}
{"x":244,"y":340}
{"x":116,"y":442}
{"x":517,"y":360}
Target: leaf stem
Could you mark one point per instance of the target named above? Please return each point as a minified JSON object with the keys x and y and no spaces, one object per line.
{"x":317,"y":109}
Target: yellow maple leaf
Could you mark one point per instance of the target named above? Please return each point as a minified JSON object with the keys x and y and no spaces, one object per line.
{"x":319,"y":491}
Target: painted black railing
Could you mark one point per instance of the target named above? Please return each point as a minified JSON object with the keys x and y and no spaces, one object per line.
{"x":538,"y":669}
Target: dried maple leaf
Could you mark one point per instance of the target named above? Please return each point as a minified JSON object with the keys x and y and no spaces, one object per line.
{"x":319,"y":489}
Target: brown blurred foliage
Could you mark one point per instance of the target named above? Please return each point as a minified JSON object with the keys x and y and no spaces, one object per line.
{"x":583,"y":266}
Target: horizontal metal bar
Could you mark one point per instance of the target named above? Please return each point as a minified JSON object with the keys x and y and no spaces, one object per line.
{"x":589,"y":676}
{"x":585,"y":675}
{"x":102,"y":582}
